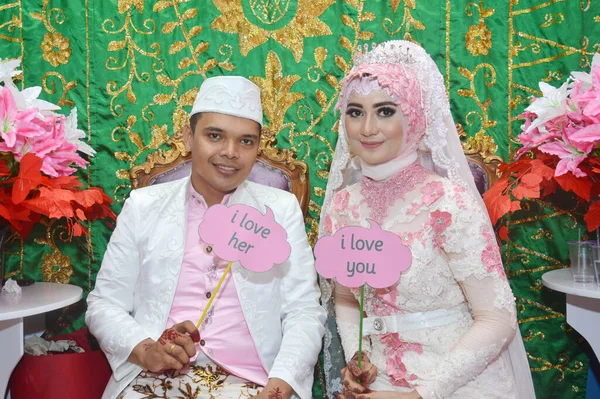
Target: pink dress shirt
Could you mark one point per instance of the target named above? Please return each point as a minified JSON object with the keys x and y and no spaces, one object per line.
{"x":225,"y":337}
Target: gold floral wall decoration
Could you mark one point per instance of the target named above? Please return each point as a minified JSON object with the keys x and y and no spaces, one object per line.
{"x":553,"y":75}
{"x":408,"y":20}
{"x":478,"y":39}
{"x":159,"y":137}
{"x":481,"y":142}
{"x":11,"y":24}
{"x":276,"y":94}
{"x":55,"y":47}
{"x":56,"y":266}
{"x":14,"y":240}
{"x":190,"y":58}
{"x":550,"y":19}
{"x":285,"y":21}
{"x":131,"y":49}
{"x":49,"y":87}
{"x":125,"y":5}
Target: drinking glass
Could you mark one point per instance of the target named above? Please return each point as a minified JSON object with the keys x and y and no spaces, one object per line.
{"x":596,"y":259}
{"x":582,"y":264}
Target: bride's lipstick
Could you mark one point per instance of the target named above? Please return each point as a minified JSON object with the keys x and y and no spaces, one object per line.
{"x":371,"y":144}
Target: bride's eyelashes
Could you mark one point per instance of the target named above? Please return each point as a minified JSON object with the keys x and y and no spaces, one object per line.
{"x":354,"y":112}
{"x":386,"y":112}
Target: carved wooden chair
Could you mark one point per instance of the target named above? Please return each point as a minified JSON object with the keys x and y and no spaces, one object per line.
{"x":479,"y":151}
{"x":274,"y":167}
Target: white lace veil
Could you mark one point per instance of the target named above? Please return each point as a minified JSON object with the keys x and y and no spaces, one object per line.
{"x":440,"y":151}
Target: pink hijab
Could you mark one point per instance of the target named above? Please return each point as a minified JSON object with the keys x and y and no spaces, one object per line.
{"x":402,"y":85}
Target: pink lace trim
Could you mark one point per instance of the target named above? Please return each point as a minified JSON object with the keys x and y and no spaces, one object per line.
{"x":328,"y":228}
{"x":459,"y":196}
{"x":490,"y":255}
{"x":439,"y":222}
{"x":380,"y":195}
{"x":384,"y":301}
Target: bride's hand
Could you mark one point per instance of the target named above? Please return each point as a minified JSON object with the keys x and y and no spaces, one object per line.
{"x":356,"y":380}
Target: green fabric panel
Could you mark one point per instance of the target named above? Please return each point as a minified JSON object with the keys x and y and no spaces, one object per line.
{"x":131,"y":68}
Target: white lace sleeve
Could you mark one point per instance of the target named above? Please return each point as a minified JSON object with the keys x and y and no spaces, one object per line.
{"x":475,"y":261}
{"x":347,"y":312}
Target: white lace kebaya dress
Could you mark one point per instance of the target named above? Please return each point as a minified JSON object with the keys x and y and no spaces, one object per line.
{"x":441,"y":329}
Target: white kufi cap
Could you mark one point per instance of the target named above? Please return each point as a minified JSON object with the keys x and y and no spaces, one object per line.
{"x":229,"y":95}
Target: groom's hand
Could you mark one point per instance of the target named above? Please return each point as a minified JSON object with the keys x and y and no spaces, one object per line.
{"x":173,"y":349}
{"x":275,"y":389}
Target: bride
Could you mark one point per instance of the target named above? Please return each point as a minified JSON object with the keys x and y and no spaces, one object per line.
{"x":448,"y":328}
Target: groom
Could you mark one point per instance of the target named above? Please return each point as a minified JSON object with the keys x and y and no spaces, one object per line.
{"x":157,"y":275}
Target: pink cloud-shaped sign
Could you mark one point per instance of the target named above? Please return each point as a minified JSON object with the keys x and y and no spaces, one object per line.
{"x":357,"y":255}
{"x":240,"y":233}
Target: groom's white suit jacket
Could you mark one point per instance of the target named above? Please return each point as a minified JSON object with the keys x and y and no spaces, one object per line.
{"x":140,"y":271}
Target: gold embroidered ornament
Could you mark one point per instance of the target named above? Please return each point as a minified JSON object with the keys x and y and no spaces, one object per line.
{"x":287,"y":22}
{"x":56,"y":48}
{"x":56,"y":267}
{"x":479,"y":39}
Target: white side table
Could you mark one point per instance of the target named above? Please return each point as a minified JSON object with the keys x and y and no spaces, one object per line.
{"x":35,"y":299}
{"x":583,"y":304}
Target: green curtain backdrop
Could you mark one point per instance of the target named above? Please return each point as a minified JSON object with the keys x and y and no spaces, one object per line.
{"x":132,"y":68}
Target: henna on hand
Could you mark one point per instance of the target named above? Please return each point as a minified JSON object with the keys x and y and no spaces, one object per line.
{"x":364,"y":357}
{"x":195,"y":336}
{"x":353,"y":367}
{"x":275,"y":393}
{"x":170,"y":334}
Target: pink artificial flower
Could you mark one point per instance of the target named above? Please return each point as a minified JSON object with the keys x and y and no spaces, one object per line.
{"x":15,"y":123}
{"x":584,"y":78}
{"x":587,"y":101}
{"x":58,"y":161}
{"x":432,"y":192}
{"x":440,"y":220}
{"x":588,"y":88}
{"x":571,"y":154}
{"x":588,"y":134}
{"x":566,"y":121}
{"x":340,"y":200}
{"x":553,"y":103}
{"x":50,"y":144}
{"x":532,"y":138}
